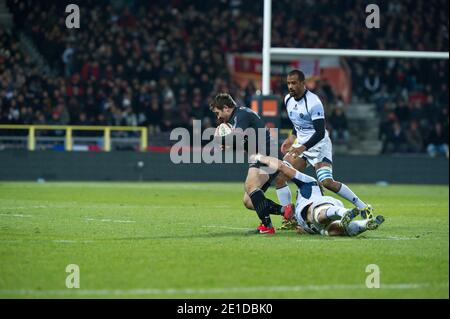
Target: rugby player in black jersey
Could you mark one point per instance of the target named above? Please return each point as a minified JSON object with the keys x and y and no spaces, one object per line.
{"x":245,"y":122}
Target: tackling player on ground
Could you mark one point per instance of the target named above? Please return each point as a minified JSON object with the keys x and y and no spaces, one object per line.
{"x":315,"y":213}
{"x":313,"y":145}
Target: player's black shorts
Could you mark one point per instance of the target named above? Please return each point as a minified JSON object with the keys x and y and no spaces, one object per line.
{"x":271,"y":176}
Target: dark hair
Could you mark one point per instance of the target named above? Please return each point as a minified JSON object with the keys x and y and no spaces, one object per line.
{"x":220,"y":100}
{"x":298,"y":73}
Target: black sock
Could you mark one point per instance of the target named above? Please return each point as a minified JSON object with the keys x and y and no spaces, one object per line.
{"x":262,"y":207}
{"x":275,"y":209}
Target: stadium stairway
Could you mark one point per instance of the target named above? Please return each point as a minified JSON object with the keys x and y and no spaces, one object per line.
{"x":6,"y":19}
{"x":26,"y":44}
{"x":363,"y":125}
{"x":30,"y":49}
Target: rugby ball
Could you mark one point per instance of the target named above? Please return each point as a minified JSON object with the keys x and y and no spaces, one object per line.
{"x":223,"y":129}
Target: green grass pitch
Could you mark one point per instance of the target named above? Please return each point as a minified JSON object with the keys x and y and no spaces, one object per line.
{"x":189,"y":240}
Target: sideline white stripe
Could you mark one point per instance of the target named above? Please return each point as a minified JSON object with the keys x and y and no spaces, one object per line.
{"x":223,"y":290}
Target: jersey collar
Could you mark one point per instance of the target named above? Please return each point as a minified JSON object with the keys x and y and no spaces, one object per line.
{"x":301,"y":97}
{"x":232,"y":114}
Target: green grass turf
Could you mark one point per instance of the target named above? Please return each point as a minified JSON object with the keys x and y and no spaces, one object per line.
{"x":189,"y":240}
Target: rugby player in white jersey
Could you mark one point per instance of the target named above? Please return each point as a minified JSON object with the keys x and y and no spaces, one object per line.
{"x":315,"y":213}
{"x":312,"y":145}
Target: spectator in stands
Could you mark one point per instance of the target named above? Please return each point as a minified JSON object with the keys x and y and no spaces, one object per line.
{"x":416,"y":113}
{"x":414,"y":138}
{"x":388,"y":117}
{"x":438,"y":141}
{"x":339,"y":126}
{"x":444,"y":118}
{"x":430,"y":111}
{"x":381,"y":98}
{"x":154,"y":115}
{"x":250,"y":90}
{"x":371,"y":84}
{"x":402,"y":112}
{"x":395,"y":140}
{"x":169,"y":117}
{"x":328,"y":94}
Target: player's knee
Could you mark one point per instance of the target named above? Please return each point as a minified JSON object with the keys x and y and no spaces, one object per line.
{"x":252,"y":184}
{"x":247,"y":202}
{"x":249,"y":187}
{"x":328,"y":183}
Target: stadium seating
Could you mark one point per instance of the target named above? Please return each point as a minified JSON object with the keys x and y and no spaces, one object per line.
{"x":137,"y":64}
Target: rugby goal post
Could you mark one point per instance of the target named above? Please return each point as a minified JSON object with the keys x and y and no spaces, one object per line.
{"x":268,"y":51}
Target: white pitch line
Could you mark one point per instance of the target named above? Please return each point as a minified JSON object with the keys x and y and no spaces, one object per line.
{"x":331,"y":239}
{"x":183,"y":206}
{"x":24,"y":207}
{"x":349,"y":239}
{"x":225,"y":227}
{"x":107,"y":220}
{"x":394,"y":238}
{"x":210,"y":291}
{"x":15,"y":215}
{"x":63,"y":241}
{"x":39,"y":241}
{"x":412,"y":205}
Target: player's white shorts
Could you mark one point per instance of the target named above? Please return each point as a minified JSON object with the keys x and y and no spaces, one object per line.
{"x":321,"y":152}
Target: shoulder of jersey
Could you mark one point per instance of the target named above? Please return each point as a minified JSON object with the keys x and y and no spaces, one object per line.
{"x":313,"y":96}
{"x":286,"y":98}
{"x":247,"y":109}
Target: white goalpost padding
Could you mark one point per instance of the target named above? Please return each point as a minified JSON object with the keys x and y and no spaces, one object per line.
{"x":268,"y":51}
{"x":266,"y":46}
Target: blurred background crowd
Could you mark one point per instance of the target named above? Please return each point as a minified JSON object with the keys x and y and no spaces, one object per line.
{"x":157,"y":63}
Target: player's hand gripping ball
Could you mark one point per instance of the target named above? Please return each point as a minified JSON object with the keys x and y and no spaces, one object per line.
{"x":223,"y":129}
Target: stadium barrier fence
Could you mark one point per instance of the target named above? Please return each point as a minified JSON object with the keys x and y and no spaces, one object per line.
{"x":69,"y":129}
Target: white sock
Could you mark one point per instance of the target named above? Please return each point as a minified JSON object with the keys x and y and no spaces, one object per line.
{"x":284,"y":195}
{"x":347,"y":193}
{"x":357,"y":227}
{"x":335,"y":212}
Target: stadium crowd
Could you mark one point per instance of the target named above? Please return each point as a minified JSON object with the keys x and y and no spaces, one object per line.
{"x":157,"y":63}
